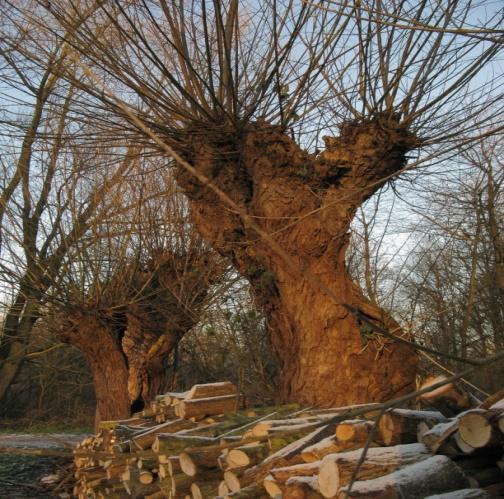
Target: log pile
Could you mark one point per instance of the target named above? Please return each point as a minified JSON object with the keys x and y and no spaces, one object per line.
{"x":197,"y":445}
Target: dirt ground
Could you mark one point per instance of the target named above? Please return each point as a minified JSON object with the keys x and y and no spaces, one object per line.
{"x":20,"y":474}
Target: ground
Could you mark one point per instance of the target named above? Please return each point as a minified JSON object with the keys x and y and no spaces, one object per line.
{"x":20,"y":474}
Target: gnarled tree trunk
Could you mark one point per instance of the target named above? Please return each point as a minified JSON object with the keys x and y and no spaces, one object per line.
{"x":125,"y":360}
{"x":100,"y":345}
{"x":127,"y":350}
{"x":306,"y":202}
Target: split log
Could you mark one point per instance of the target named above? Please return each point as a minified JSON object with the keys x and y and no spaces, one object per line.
{"x":116,"y":470}
{"x":211,"y":390}
{"x":199,"y":408}
{"x":479,"y":428}
{"x":449,"y":399}
{"x":434,"y":475}
{"x":400,"y":426}
{"x":336,"y":469}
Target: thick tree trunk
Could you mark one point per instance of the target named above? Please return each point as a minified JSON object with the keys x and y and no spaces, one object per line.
{"x":306,"y":202}
{"x":126,"y":362}
{"x":145,"y":351}
{"x":100,"y":346}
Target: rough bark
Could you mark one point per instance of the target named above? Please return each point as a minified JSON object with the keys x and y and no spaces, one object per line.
{"x":128,"y":349}
{"x":97,"y":341}
{"x":125,"y":360}
{"x":307,"y":203}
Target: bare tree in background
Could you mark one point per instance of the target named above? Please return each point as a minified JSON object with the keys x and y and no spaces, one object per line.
{"x":56,"y":183}
{"x":238,"y":92}
{"x":70,"y":231}
{"x":454,"y":294}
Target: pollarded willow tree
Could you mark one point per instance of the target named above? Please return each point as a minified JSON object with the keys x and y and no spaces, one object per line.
{"x":132,"y":287}
{"x":240,"y":92}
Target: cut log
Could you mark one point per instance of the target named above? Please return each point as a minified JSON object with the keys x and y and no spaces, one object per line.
{"x":336,"y":469}
{"x":167,"y":443}
{"x":489,"y":476}
{"x":156,"y":495}
{"x":145,"y":477}
{"x":197,"y":461}
{"x":180,"y":485}
{"x":199,"y":408}
{"x":434,"y":475}
{"x":354,"y":430}
{"x":247,"y":455}
{"x":449,"y":399}
{"x":211,"y":390}
{"x":204,"y":489}
{"x":115,"y":470}
{"x":289,"y":455}
{"x":232,"y":481}
{"x":281,"y":475}
{"x":145,"y":439}
{"x":250,"y":492}
{"x":223,"y":489}
{"x":329,"y":445}
{"x":461,"y":446}
{"x":304,"y":487}
{"x":496,"y":490}
{"x":494,"y":401}
{"x":400,"y":426}
{"x":463,"y":494}
{"x":480,"y":428}
{"x":438,"y":434}
{"x":272,"y":487}
{"x":267,"y":427}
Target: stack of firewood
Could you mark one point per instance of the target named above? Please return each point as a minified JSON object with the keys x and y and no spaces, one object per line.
{"x":196,"y":444}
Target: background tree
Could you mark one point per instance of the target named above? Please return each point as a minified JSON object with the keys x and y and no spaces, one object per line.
{"x":54,"y":186}
{"x":127,"y":299}
{"x":235,"y":91}
{"x":455,"y":300}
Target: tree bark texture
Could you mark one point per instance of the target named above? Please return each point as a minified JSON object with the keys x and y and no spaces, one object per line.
{"x":306,"y":202}
{"x":99,"y":344}
{"x":127,"y":350}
